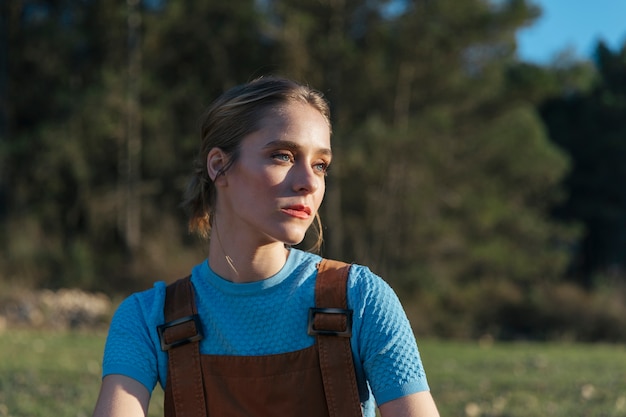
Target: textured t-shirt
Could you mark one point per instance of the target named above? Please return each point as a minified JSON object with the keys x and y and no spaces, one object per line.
{"x":270,"y":317}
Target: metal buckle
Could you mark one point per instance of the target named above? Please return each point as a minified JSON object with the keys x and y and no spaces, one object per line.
{"x":194,"y":338}
{"x":312,"y":331}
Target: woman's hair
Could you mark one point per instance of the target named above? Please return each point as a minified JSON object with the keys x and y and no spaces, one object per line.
{"x":228,"y":120}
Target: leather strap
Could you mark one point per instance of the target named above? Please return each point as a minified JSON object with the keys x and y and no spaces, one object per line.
{"x":184,"y":368}
{"x":335,"y":352}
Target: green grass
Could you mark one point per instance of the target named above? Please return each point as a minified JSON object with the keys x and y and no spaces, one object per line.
{"x":526,"y":380}
{"x":53,"y":374}
{"x":58,"y":374}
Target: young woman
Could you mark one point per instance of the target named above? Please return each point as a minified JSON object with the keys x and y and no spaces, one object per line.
{"x":257,"y":188}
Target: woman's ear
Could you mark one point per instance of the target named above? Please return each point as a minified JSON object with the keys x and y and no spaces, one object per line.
{"x":216,"y":162}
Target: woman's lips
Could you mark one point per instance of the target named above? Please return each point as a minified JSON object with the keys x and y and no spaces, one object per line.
{"x":298,"y":211}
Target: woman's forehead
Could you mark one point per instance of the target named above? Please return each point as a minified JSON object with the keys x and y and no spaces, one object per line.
{"x":292,"y":126}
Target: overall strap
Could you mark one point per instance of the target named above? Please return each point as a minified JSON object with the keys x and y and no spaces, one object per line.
{"x":330,"y":322}
{"x":180,"y":337}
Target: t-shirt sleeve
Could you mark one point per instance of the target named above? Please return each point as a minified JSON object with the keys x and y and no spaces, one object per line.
{"x":387,"y":345}
{"x":129,"y":349}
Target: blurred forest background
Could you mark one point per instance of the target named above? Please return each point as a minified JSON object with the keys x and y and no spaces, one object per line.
{"x":489,"y":192}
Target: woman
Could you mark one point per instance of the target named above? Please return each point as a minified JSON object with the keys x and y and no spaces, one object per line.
{"x":257,"y":188}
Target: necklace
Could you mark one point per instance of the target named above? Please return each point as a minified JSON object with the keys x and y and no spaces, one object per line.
{"x":229,"y":260}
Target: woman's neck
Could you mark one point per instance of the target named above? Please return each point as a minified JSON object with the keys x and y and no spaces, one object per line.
{"x":246,"y":264}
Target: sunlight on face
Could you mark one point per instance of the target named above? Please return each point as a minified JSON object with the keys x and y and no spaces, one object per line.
{"x":275,"y":188}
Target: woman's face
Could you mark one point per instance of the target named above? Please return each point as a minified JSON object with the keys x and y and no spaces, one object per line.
{"x":274,"y":189}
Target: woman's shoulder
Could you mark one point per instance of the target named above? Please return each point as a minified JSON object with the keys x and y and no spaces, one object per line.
{"x":359,"y":275}
{"x":366,"y":288}
{"x":146,"y":305}
{"x":362,"y":276}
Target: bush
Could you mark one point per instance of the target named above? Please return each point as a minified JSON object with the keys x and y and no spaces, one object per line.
{"x":502,"y":311}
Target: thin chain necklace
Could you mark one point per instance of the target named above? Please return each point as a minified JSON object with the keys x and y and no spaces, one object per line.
{"x":229,"y":260}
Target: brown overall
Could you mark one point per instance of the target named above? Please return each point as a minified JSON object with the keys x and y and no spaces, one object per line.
{"x":318,"y":381}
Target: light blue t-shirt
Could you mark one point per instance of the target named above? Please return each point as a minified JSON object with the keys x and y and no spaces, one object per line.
{"x":270,"y":317}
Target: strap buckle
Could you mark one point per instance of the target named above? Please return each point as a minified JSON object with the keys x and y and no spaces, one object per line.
{"x":192,"y":335}
{"x":312,"y":331}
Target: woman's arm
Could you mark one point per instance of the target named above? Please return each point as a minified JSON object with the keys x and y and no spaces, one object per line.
{"x":121,"y":396}
{"x":420,"y":404}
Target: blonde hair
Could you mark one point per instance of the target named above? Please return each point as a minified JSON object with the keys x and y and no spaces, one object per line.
{"x":228,"y":120}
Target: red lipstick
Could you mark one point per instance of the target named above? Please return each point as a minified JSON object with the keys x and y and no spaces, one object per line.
{"x":297,"y":210}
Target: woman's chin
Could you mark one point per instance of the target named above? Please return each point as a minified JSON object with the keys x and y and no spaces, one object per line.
{"x":294,"y":239}
{"x":294,"y":242}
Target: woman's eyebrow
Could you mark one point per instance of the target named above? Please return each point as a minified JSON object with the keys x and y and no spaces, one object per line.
{"x":293,"y":146}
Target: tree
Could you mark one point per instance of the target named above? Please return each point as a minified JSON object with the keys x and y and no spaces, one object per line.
{"x":440,"y":141}
{"x":56,"y":62}
{"x":589,"y":125}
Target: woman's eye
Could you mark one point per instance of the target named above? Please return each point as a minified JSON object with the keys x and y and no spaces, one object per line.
{"x":283,"y":157}
{"x":321,"y":167}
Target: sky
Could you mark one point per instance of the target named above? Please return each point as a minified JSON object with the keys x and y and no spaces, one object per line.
{"x":575,"y":25}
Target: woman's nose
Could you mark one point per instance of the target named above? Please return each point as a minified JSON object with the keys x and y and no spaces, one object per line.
{"x":306,"y":180}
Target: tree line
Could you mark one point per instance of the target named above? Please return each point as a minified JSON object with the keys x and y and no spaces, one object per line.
{"x":487,"y":191}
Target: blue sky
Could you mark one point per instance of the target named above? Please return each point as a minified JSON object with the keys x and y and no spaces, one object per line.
{"x":576,"y":25}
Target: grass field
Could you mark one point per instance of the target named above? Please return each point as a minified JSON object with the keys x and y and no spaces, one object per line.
{"x":58,"y":374}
